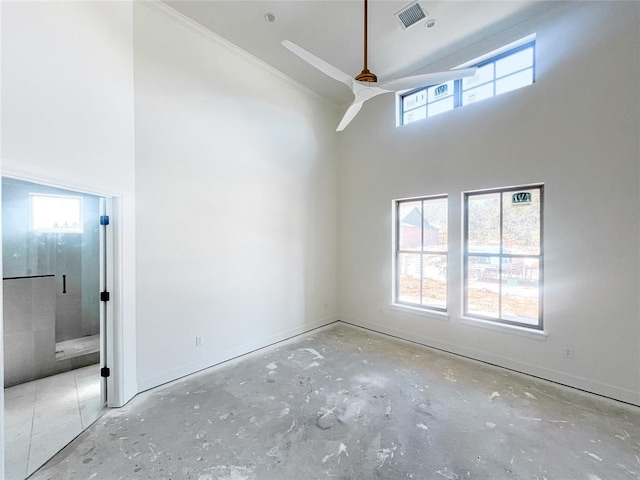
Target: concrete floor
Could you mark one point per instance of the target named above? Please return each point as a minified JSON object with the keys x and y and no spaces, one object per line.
{"x":346,"y":403}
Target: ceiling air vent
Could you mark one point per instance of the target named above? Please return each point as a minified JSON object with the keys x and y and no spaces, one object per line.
{"x":411,"y":15}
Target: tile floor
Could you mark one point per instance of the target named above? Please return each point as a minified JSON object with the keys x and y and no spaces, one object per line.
{"x":42,"y":416}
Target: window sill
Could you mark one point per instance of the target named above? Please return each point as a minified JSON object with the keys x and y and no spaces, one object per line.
{"x":420,"y":312}
{"x":501,"y":327}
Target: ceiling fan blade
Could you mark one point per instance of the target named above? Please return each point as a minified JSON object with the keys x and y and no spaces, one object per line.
{"x":349,"y":115}
{"x":318,"y":63}
{"x":427,"y":79}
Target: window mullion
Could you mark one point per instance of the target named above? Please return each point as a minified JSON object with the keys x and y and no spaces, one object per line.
{"x":501,"y":253}
{"x":398,"y":251}
{"x":421,"y":251}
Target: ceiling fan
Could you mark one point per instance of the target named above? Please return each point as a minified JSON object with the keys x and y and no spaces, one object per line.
{"x":365,"y":85}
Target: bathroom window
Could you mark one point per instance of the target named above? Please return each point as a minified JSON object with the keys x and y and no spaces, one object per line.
{"x":56,"y":213}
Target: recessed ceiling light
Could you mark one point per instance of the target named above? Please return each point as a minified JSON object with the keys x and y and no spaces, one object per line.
{"x":431,"y":23}
{"x":269,"y":17}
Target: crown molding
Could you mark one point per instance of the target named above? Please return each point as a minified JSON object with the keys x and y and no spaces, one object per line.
{"x":164,"y":9}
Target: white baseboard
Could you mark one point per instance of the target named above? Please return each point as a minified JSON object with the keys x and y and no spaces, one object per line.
{"x":581,"y":383}
{"x":188,"y":369}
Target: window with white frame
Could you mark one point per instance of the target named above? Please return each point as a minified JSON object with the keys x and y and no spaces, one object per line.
{"x":56,"y":213}
{"x":499,"y":74}
{"x":421,"y":252}
{"x":503,"y":255}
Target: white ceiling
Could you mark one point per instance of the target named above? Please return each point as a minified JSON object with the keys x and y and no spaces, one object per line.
{"x":333,"y":31}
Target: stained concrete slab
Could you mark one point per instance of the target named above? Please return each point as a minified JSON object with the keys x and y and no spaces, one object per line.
{"x":346,"y":403}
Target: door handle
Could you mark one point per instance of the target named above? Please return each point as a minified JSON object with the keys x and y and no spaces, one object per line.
{"x":64,"y":284}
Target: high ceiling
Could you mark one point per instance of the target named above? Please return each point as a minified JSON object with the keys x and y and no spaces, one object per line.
{"x":333,"y":31}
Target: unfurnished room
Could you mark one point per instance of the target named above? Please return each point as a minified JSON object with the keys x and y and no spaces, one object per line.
{"x":353,"y":239}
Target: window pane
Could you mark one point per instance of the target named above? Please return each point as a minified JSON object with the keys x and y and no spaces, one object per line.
{"x":513,"y":82}
{"x":52,"y":213}
{"x":414,"y":100}
{"x":441,"y":106}
{"x":484,"y":75}
{"x":410,"y":226}
{"x":440,"y":91}
{"x":409,"y":273}
{"x":413,"y":115}
{"x":521,"y":222}
{"x":484,"y":223}
{"x":483,"y":268}
{"x":518,"y":61}
{"x":434,"y":282}
{"x":482,"y":291}
{"x":435,"y":224}
{"x":520,"y":291}
{"x":477,"y":94}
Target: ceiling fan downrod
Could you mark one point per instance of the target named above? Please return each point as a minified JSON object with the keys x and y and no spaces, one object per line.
{"x":366,"y":75}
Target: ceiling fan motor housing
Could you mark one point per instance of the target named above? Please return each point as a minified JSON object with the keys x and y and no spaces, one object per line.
{"x":366,"y":76}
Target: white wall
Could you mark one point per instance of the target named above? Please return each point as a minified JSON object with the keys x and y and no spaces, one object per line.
{"x":576,"y":130}
{"x":236,"y":201}
{"x":67,"y":111}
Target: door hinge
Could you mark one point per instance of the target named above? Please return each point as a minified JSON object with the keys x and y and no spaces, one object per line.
{"x":105,"y":372}
{"x":104,"y":220}
{"x":104,"y":296}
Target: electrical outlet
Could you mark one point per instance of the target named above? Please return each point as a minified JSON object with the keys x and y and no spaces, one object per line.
{"x":568,"y":353}
{"x":198,"y":341}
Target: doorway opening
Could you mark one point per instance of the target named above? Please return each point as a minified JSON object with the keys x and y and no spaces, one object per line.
{"x":54,"y":249}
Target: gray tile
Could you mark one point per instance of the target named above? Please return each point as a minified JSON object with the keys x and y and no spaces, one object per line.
{"x":15,"y":322}
{"x":61,"y":329}
{"x":68,"y":316}
{"x":78,"y":346}
{"x":44,"y":303}
{"x":17,"y":438}
{"x":17,"y":435}
{"x":19,"y":412}
{"x":43,"y":322}
{"x":85,"y":360}
{"x":46,"y":444}
{"x":25,"y":392}
{"x":62,"y":366}
{"x":88,"y":387}
{"x":91,"y":410}
{"x":17,"y":308}
{"x":90,"y":324}
{"x":57,"y":388}
{"x":90,"y":371}
{"x":44,"y":353}
{"x":55,"y":415}
{"x":16,"y":470}
{"x":19,"y":360}
{"x":44,"y":287}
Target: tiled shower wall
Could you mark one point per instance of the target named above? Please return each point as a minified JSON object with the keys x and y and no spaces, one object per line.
{"x":29,"y":329}
{"x":29,"y":332}
{"x":28,"y":253}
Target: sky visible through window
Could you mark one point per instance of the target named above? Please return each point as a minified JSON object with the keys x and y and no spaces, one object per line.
{"x":503,"y":73}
